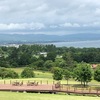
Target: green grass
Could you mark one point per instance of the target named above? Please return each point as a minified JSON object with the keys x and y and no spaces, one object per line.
{"x":44,"y":76}
{"x":38,"y":74}
{"x":32,"y":96}
{"x":18,"y":70}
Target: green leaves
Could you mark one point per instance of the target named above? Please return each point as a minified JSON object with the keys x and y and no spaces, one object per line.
{"x":67,"y":75}
{"x":27,"y":73}
{"x":57,"y":74}
{"x":83,"y":73}
{"x":5,"y":73}
{"x":97,"y":74}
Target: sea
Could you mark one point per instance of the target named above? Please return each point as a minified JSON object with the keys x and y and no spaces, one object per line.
{"x":78,"y":44}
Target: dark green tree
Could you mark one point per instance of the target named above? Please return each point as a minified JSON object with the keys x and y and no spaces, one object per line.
{"x":51,"y":56}
{"x":10,"y":74}
{"x":57,"y":73}
{"x":27,"y":73}
{"x":70,"y":64}
{"x":40,"y":64}
{"x":62,"y":64}
{"x":5,"y":73}
{"x":2,"y":72}
{"x":48,"y":65}
{"x":97,"y":74}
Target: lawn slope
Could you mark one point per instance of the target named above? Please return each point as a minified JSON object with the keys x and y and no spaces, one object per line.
{"x":32,"y":96}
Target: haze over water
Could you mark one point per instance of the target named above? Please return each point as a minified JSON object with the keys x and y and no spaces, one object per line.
{"x":80,"y":44}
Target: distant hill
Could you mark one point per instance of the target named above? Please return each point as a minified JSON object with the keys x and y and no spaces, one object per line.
{"x":25,"y":38}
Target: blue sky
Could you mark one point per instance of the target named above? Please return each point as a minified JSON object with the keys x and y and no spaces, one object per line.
{"x":50,"y":16}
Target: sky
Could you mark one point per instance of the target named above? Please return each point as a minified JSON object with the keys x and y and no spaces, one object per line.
{"x":50,"y":16}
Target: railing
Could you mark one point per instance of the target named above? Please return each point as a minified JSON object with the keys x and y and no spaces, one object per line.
{"x":75,"y":90}
{"x":53,"y":86}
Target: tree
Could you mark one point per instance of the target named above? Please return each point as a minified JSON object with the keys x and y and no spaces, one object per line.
{"x":27,"y":73}
{"x":5,"y":73}
{"x":57,"y":73}
{"x":51,"y":56}
{"x":48,"y":65}
{"x":4,"y":62}
{"x":67,"y":75}
{"x":62,"y":64}
{"x":39,"y":64}
{"x":83,"y":73}
{"x":97,"y":74}
{"x":69,"y":60}
{"x":2,"y":70}
{"x":13,"y":57}
{"x":10,"y":74}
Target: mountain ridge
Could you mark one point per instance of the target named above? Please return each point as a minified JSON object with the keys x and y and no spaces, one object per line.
{"x":7,"y":38}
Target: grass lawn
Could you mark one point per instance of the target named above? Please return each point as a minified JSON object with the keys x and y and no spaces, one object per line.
{"x":44,"y":77}
{"x":38,"y":74}
{"x":32,"y":96}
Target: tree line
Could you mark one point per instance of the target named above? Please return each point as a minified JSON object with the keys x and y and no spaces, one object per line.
{"x":82,"y":73}
{"x":30,"y":55}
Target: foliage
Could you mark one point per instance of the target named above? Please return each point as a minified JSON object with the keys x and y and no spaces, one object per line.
{"x":29,"y":55}
{"x":57,"y":74}
{"x":27,"y":73}
{"x":48,"y":65}
{"x":51,"y":56}
{"x":83,"y":73}
{"x":5,"y":73}
{"x":97,"y":74}
{"x":39,"y":64}
{"x":68,"y":60}
{"x":67,"y":75}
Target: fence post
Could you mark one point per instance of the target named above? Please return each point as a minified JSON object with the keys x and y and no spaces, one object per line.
{"x":74,"y":89}
{"x":10,"y":81}
{"x":82,"y":90}
{"x":67,"y":88}
{"x":97,"y":91}
{"x":52,"y":87}
{"x":4,"y":82}
{"x":53,"y":82}
{"x":89,"y":90}
{"x":41,"y":82}
{"x":47,"y":81}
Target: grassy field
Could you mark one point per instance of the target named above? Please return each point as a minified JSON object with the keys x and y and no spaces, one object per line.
{"x":44,"y":77}
{"x":32,"y":96}
{"x":38,"y":74}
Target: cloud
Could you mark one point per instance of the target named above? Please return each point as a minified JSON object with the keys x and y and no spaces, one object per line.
{"x":23,"y":26}
{"x":50,"y":15}
{"x":70,"y":25}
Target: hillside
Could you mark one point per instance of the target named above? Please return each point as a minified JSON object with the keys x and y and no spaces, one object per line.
{"x":31,"y":38}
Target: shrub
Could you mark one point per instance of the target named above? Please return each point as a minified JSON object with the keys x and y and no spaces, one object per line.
{"x":5,"y":73}
{"x":97,"y":74}
{"x":27,"y":73}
